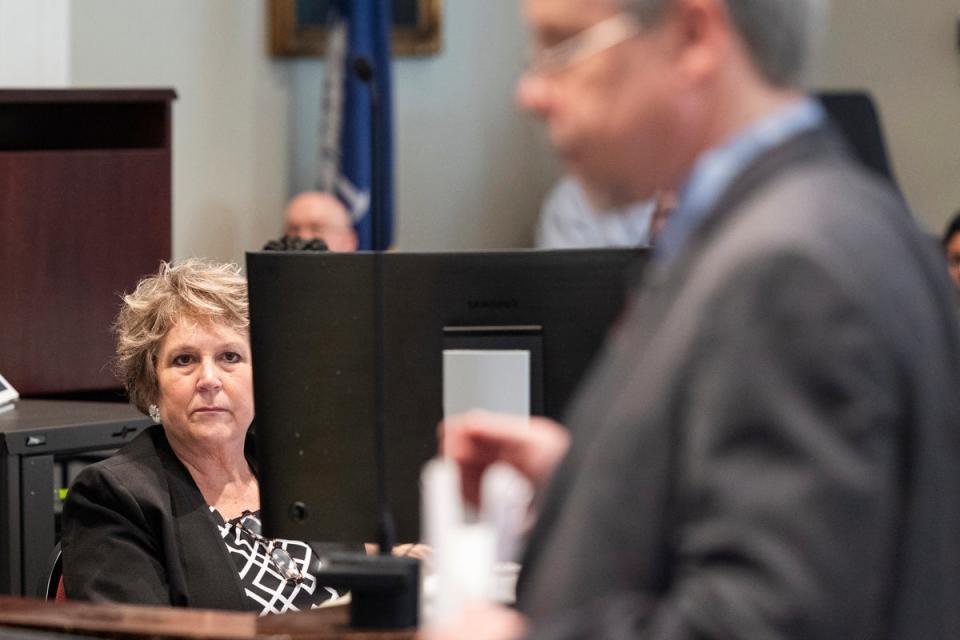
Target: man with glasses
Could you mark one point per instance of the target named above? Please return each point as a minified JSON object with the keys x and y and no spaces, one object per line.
{"x":768,"y":446}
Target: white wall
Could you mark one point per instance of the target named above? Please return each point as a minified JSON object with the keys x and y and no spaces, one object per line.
{"x":34,"y":43}
{"x":470,"y":169}
{"x":906,"y":54}
{"x":231,"y":120}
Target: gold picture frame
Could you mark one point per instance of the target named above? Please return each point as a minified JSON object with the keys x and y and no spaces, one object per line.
{"x":297,"y":30}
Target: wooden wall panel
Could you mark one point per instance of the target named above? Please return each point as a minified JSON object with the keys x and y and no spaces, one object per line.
{"x":78,"y":226}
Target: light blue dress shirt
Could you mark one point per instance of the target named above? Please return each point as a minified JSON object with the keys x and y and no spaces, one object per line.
{"x":716,"y":170}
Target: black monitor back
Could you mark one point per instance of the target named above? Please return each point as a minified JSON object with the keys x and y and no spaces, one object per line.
{"x":856,"y":115}
{"x":312,"y":336}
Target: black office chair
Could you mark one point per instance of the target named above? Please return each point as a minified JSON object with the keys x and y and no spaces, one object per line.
{"x":50,"y":586}
{"x":854,"y":113}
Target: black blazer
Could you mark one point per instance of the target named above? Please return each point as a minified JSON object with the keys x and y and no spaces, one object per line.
{"x":136,"y":529}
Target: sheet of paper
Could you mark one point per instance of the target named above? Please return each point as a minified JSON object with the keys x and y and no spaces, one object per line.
{"x":493,"y":380}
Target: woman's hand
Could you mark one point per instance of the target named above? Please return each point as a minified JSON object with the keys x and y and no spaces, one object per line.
{"x":422,"y":552}
{"x":414,"y":550}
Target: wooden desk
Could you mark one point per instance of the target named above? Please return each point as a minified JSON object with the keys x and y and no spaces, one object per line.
{"x":129,"y":621}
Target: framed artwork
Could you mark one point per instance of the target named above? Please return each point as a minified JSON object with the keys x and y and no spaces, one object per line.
{"x":299,"y":27}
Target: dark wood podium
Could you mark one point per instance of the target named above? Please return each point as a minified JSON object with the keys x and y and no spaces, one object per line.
{"x":85,"y":207}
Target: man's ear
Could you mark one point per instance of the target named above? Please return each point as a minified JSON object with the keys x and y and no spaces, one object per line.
{"x":702,"y":36}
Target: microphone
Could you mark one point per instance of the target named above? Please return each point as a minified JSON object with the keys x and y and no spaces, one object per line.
{"x":386,"y":536}
{"x":385,"y":589}
{"x":363,"y":69}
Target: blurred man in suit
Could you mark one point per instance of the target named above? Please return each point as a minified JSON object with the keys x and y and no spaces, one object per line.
{"x":317,"y":215}
{"x":768,"y":446}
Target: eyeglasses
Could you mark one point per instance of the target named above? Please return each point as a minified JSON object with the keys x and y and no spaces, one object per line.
{"x":587,"y":43}
{"x":280,"y":557}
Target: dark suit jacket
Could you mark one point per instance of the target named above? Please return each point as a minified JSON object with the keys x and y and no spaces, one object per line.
{"x":136,"y":529}
{"x":768,"y":447}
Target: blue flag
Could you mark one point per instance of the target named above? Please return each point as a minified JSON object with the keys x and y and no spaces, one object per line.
{"x":358,"y":29}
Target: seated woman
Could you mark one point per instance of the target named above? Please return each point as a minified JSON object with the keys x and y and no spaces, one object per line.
{"x":172,"y":518}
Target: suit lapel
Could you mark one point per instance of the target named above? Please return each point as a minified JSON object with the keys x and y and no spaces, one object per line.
{"x":664,"y":280}
{"x":208,"y":570}
{"x":809,"y":147}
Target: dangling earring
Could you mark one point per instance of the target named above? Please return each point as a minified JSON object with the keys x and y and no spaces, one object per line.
{"x":154,"y":412}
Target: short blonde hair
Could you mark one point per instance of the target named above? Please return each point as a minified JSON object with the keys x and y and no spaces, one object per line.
{"x":190,"y":289}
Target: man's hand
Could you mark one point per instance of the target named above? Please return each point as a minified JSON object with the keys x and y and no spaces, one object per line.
{"x":479,"y":622}
{"x":475,"y":440}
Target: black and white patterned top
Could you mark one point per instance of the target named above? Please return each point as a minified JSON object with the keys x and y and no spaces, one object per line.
{"x":262,"y":581}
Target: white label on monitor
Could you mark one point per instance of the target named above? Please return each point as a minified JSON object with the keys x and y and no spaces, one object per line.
{"x":493,"y":380}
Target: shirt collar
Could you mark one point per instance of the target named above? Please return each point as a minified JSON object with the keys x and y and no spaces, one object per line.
{"x":715,"y":170}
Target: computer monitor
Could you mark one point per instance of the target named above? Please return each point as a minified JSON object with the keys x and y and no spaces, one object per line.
{"x":312,"y":337}
{"x":856,"y":116}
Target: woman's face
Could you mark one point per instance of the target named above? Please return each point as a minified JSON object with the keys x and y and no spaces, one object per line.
{"x":205,"y":383}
